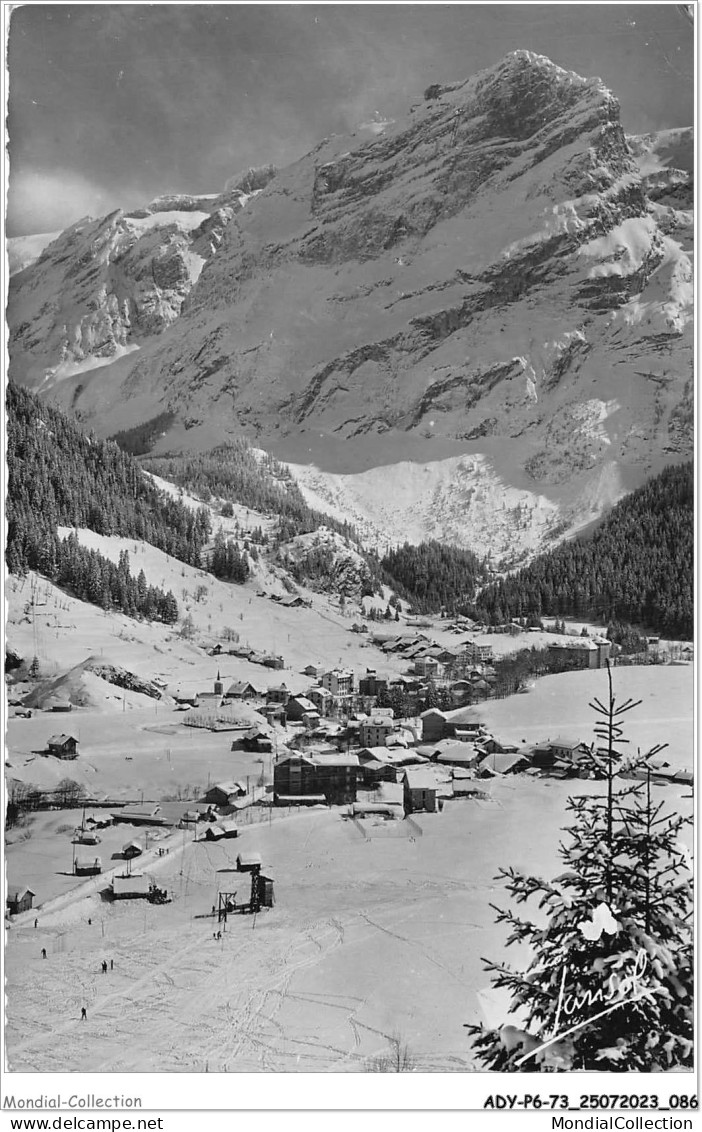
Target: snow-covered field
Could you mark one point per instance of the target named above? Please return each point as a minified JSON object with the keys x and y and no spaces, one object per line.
{"x":373,"y":935}
{"x":370,"y":937}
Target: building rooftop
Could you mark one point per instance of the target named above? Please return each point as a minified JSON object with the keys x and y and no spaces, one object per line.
{"x":419,"y":778}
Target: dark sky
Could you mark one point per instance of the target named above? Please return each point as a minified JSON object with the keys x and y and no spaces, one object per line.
{"x":113,"y":104}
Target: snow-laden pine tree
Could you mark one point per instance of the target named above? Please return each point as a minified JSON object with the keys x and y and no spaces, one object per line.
{"x":608,"y":985}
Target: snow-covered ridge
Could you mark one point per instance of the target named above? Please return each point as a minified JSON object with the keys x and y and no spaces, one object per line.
{"x":461,"y":500}
{"x":22,"y":251}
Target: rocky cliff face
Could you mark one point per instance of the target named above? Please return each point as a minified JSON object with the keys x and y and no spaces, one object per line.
{"x":499,"y":272}
{"x":95,"y":292}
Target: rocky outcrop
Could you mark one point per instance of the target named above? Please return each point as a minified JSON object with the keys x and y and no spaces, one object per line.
{"x":98,"y":290}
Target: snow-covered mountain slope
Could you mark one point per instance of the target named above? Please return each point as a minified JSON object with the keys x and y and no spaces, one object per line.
{"x":22,"y":251}
{"x":487,"y":277}
{"x":461,"y":500}
{"x":87,"y":296}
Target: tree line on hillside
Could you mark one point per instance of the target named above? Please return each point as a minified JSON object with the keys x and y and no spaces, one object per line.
{"x":93,"y":578}
{"x":636,"y":568}
{"x":139,"y":440}
{"x":433,"y":576}
{"x":61,"y":476}
{"x":235,"y":473}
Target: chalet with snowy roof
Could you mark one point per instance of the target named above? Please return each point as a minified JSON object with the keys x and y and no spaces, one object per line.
{"x":132,"y":887}
{"x":63,"y":746}
{"x":503,"y":763}
{"x":248,"y":860}
{"x":225,"y":793}
{"x":568,"y":748}
{"x":312,"y":670}
{"x":186,"y":696}
{"x":256,"y":741}
{"x":222,"y":830}
{"x":19,"y":899}
{"x":420,"y":790}
{"x":87,"y":866}
{"x":241,"y":690}
{"x":278,"y":694}
{"x":297,"y":707}
{"x":450,"y":753}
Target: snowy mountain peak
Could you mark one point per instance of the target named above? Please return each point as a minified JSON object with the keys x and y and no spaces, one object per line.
{"x":497,"y":274}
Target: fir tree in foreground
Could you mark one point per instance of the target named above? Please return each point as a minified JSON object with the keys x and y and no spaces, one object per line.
{"x":609,"y":986}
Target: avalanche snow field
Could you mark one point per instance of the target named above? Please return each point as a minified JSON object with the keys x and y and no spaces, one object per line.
{"x":372,"y":935}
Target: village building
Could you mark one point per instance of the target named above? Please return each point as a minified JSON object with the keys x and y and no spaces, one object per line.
{"x":144,"y":814}
{"x":248,"y":860}
{"x":586,"y":651}
{"x":278,"y":694}
{"x":475,"y":652}
{"x":241,"y":690}
{"x":297,"y":706}
{"x":225,"y":793}
{"x":256,"y":742}
{"x":87,"y":866}
{"x":19,"y":899}
{"x":451,"y":753}
{"x":332,"y":778}
{"x":371,"y":684}
{"x":190,"y":819}
{"x":273,"y":713}
{"x":433,"y":725}
{"x":568,"y":748}
{"x":132,"y":849}
{"x":489,"y":745}
{"x":185,"y":697}
{"x":210,"y":701}
{"x":57,"y":704}
{"x":276,"y":662}
{"x":295,"y":777}
{"x":132,"y":887}
{"x":86,"y":837}
{"x":503,"y":763}
{"x":313,"y":670}
{"x":375,"y":732}
{"x":338,"y":681}
{"x":222,"y":830}
{"x":460,"y":691}
{"x":63,"y":746}
{"x":542,"y":756}
{"x":322,"y":699}
{"x":420,"y":790}
{"x":426,"y":666}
